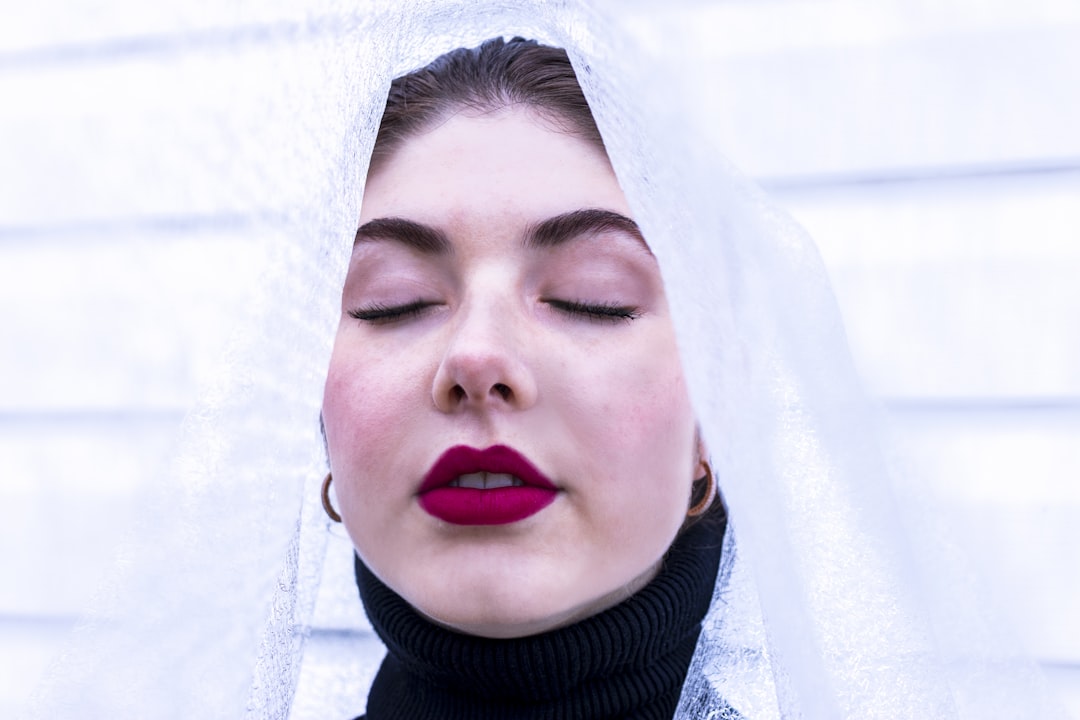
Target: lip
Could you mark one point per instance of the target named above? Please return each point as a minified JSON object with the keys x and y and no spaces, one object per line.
{"x":495,"y":506}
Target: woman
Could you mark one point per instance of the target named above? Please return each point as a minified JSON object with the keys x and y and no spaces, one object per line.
{"x":510,"y":434}
{"x":821,"y":607}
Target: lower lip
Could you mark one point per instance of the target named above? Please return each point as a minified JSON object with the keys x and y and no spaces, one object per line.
{"x":499,"y":506}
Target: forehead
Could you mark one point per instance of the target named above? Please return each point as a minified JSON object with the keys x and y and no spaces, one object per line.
{"x":504,"y":167}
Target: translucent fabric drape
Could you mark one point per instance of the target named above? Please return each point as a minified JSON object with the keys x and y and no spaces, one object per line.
{"x":836,"y":598}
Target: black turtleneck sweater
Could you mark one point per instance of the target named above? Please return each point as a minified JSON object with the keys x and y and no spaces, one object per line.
{"x":626,"y":662}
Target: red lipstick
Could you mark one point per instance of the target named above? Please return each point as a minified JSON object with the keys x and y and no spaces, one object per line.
{"x":495,"y":486}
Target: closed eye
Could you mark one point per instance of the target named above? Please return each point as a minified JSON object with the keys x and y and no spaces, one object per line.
{"x":379,"y":314}
{"x":596,"y":312}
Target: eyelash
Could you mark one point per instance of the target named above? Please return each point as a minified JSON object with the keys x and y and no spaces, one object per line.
{"x":379,"y":314}
{"x":596,"y":312}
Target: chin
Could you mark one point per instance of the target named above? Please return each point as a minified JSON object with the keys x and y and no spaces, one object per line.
{"x":499,"y":622}
{"x":486,"y":600}
{"x":495,"y":606}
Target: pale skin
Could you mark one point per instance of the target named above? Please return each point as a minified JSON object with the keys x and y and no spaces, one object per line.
{"x":460,"y":326}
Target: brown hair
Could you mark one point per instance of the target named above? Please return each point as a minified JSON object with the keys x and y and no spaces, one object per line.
{"x":496,"y":75}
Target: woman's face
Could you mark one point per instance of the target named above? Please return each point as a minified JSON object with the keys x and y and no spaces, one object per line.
{"x":504,"y":323}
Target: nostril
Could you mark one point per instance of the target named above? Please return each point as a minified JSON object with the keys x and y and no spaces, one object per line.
{"x":503,"y":390}
{"x":459,"y":393}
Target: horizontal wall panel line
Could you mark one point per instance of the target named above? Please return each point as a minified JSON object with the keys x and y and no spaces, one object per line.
{"x":53,"y":622}
{"x":156,"y":225}
{"x":62,"y":622}
{"x":40,"y":622}
{"x":96,"y":417}
{"x":1067,"y":665}
{"x":120,"y":49}
{"x":925,"y":174}
{"x":1066,"y":404}
{"x":329,"y":633}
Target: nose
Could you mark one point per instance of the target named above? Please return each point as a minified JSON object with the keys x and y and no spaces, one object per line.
{"x":483,"y":366}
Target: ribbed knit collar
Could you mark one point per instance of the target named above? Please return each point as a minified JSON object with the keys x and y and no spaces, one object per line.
{"x":628,"y":661}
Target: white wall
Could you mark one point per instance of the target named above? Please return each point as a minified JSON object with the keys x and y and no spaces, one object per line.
{"x":932,"y":151}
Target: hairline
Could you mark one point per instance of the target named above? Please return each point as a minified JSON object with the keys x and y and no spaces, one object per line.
{"x":550,"y":118}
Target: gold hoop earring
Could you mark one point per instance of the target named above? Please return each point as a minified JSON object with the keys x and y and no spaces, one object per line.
{"x":326,"y":499}
{"x":710,"y":489}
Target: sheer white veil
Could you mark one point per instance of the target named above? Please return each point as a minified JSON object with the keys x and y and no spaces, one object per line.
{"x":837,"y":598}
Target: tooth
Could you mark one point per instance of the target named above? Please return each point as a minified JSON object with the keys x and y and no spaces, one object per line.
{"x":456,"y":482}
{"x":499,"y":480}
{"x":472,"y":480}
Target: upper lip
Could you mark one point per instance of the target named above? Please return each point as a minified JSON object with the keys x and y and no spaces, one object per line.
{"x":462,"y":460}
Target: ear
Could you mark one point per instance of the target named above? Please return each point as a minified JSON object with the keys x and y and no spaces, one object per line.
{"x":701,"y":497}
{"x":701,"y":454}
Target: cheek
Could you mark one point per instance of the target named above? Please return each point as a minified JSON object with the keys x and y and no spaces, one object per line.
{"x":639,"y":431}
{"x":646,"y":402}
{"x":351,"y":404}
{"x":365,"y":403}
{"x":658,"y":433}
{"x":365,"y":399}
{"x":647,"y":473}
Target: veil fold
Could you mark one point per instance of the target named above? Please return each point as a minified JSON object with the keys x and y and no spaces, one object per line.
{"x":835,"y":597}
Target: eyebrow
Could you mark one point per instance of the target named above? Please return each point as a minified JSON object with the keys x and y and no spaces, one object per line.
{"x":419,"y":237}
{"x":562,"y":228}
{"x":549,"y":233}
